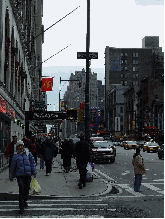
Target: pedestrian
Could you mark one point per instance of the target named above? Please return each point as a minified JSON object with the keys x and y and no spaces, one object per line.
{"x":33,"y":149}
{"x":11,"y":150}
{"x":24,"y":140}
{"x":23,"y":167}
{"x":139,"y":169}
{"x":82,"y":153}
{"x":66,"y":155}
{"x":49,"y":149}
{"x":41,"y":155}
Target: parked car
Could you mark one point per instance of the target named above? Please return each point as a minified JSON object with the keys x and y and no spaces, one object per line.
{"x":151,"y":146}
{"x":161,"y":151}
{"x":130,"y":145}
{"x":123,"y":143}
{"x":101,"y":150}
{"x":141,"y":143}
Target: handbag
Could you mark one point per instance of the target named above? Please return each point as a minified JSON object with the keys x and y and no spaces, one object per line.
{"x":35,"y":187}
{"x":89,"y":174}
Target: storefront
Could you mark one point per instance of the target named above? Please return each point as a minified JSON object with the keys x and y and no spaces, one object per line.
{"x":7,"y":114}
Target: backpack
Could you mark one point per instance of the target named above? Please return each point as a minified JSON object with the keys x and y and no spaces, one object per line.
{"x":32,"y":147}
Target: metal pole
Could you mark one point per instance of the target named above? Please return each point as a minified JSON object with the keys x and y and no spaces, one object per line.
{"x":87,"y":74}
{"x":59,"y":95}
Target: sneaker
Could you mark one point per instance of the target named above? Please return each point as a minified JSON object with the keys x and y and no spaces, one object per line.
{"x":21,"y":211}
{"x":47,"y":174}
{"x":80,"y":186}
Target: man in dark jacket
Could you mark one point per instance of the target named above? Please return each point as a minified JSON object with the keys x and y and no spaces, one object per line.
{"x":82,"y":154}
{"x":11,"y":150}
{"x":49,"y":149}
{"x":66,"y":155}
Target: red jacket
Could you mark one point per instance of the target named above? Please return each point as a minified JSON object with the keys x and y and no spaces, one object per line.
{"x":9,"y":150}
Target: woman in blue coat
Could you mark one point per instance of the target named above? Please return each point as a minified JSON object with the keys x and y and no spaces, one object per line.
{"x":23,"y":167}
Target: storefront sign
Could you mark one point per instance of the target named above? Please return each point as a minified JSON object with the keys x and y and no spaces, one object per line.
{"x":4,"y":108}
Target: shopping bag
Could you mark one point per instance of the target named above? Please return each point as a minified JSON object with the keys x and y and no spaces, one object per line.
{"x":35,"y":187}
{"x":89,"y":174}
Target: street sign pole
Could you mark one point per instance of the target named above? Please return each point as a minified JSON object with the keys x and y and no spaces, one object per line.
{"x":87,"y":74}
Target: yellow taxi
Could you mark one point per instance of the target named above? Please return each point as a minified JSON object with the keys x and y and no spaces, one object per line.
{"x":151,"y":146}
{"x":130,"y":145}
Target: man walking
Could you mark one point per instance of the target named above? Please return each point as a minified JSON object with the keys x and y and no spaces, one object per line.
{"x":48,"y":150}
{"x":82,"y":154}
{"x":139,"y":169}
{"x":11,"y":150}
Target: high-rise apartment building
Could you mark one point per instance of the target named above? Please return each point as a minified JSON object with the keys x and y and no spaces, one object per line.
{"x":128,"y":66}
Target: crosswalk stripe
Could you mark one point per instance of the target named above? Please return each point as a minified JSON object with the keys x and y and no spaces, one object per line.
{"x":56,"y":209}
{"x":33,"y":205}
{"x":148,"y":185}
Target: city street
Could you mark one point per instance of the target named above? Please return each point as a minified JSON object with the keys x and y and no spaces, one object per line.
{"x":110,"y":194}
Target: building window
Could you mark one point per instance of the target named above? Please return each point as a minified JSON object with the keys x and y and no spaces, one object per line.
{"x":133,"y":61}
{"x":121,"y":75}
{"x":133,"y":54}
{"x":125,"y":75}
{"x":137,"y":75}
{"x":136,"y":54}
{"x":134,"y":69}
{"x":133,"y":82}
{"x":133,"y":75}
{"x":125,"y":68}
{"x":137,"y":62}
{"x":137,"y":82}
{"x":121,"y":118}
{"x":122,"y":68}
{"x":121,"y":54}
{"x":121,"y":109}
{"x":122,"y":61}
{"x":125,"y":61}
{"x":122,"y":82}
{"x":125,"y":83}
{"x":125,"y":54}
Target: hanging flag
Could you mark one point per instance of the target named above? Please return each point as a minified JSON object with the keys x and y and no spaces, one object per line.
{"x":47,"y":84}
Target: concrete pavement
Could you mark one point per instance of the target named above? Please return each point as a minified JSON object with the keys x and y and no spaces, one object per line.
{"x":58,"y":183}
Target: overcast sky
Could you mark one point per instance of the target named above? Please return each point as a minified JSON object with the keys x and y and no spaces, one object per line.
{"x":114,"y":23}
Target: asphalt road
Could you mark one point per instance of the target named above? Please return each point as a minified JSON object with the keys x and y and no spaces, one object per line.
{"x":120,"y":202}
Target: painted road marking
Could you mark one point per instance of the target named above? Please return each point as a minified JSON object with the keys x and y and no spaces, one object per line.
{"x":154,"y":188}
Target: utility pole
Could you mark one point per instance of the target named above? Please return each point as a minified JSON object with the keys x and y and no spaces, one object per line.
{"x":87,"y":74}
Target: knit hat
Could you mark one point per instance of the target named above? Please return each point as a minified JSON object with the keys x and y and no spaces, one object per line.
{"x":19,"y":142}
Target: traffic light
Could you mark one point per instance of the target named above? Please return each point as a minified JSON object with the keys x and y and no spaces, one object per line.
{"x":72,"y":114}
{"x":81,"y":115}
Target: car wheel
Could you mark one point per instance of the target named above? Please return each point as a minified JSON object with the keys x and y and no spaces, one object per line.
{"x":148,"y":151}
{"x":112,"y":160}
{"x":143,"y":150}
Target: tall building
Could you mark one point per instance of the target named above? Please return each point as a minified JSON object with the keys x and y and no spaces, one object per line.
{"x":128,"y":66}
{"x":75,"y":95}
{"x":20,"y":54}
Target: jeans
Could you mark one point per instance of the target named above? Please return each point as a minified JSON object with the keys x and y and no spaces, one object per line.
{"x":48,"y":164}
{"x":82,"y":172}
{"x":41,"y":162}
{"x":24,"y":186}
{"x":137,"y":183}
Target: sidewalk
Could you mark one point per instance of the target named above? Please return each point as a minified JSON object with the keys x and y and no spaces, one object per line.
{"x":57,"y":183}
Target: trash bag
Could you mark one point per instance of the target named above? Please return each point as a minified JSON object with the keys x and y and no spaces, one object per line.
{"x":89,"y":174}
{"x":35,"y":187}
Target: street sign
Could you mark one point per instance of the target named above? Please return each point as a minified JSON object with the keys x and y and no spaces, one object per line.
{"x":82,"y":55}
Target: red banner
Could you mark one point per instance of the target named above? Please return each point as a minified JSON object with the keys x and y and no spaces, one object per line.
{"x":47,"y":84}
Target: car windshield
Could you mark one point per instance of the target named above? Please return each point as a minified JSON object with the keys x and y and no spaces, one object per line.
{"x":100,"y":145}
{"x":131,"y":142}
{"x":152,"y":144}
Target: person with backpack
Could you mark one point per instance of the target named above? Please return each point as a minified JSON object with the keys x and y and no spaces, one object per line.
{"x":22,"y":167}
{"x":66,"y":155}
{"x":82,"y":154}
{"x":33,"y":149}
{"x":139,"y":169}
